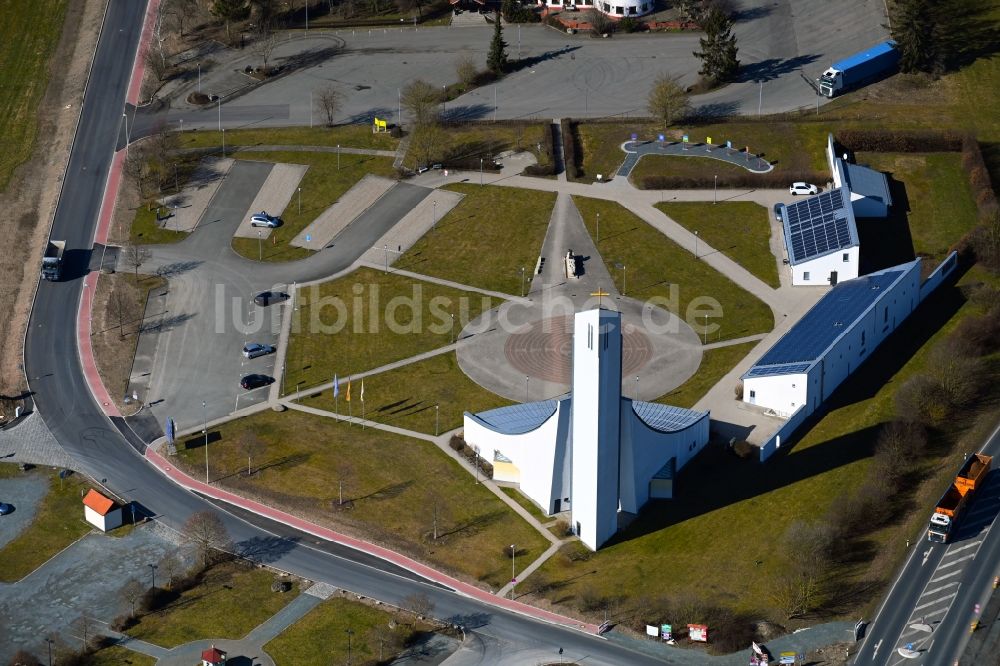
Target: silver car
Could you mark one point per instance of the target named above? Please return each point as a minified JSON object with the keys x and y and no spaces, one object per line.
{"x":262,"y":219}
{"x":253,"y":350}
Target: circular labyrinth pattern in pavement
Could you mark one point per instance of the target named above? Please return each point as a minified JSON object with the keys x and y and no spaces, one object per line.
{"x":544,"y":350}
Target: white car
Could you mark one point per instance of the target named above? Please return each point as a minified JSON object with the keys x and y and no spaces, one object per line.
{"x":803,"y":188}
{"x":262,"y":219}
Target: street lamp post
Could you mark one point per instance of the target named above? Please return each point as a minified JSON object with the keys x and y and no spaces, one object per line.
{"x":219,"y":97}
{"x":480,"y":172}
{"x":452,"y":328}
{"x":437,"y":420}
{"x":760,"y":100}
{"x":696,"y":245}
{"x":204,"y":416}
{"x":260,"y":246}
{"x":223,"y":143}
{"x":522,"y":281}
{"x":349,"y":632}
{"x":199,"y":77}
{"x":49,"y":642}
{"x":513,"y":576}
{"x":526,"y":388}
{"x":598,"y":228}
{"x":622,"y":267}
{"x":338,"y":157}
{"x":152,"y":574}
{"x":300,"y":201}
{"x":385,"y":248}
{"x":637,"y":387}
{"x":715,"y":193}
{"x":434,"y":221}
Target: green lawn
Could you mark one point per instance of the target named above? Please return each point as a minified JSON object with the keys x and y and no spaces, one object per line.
{"x":486,"y":239}
{"x":527,"y":504}
{"x":320,"y":637}
{"x":710,"y":541}
{"x":401,"y":317}
{"x":740,"y":230}
{"x":119,"y":656}
{"x":391,"y":485}
{"x":940,"y":205}
{"x":790,"y":146}
{"x":145,"y":230}
{"x":322,"y":185}
{"x":31,"y":29}
{"x":428,"y":396}
{"x":474,"y":140}
{"x":657,"y":268}
{"x":346,"y":136}
{"x":232,"y":599}
{"x":715,"y":363}
{"x":58,"y":523}
{"x":688,"y":166}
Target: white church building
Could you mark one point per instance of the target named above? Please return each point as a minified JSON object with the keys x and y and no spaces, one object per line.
{"x":612,"y":8}
{"x":594,"y":453}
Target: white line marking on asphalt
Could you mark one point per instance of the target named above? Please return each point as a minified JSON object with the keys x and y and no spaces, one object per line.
{"x":941,"y":611}
{"x":947,"y":575}
{"x":936,"y":601}
{"x":968,"y":545}
{"x":961,"y":559}
{"x":875,"y":651}
{"x":938,"y":589}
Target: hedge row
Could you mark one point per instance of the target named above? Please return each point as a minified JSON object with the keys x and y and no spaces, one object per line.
{"x":895,"y":141}
{"x":572,"y":152}
{"x":548,"y":148}
{"x":748,"y":179}
{"x":979,"y":179}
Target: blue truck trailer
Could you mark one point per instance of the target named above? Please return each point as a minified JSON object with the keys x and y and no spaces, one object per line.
{"x":859,"y":69}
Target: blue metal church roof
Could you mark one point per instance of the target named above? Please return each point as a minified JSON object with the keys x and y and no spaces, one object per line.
{"x":664,"y":417}
{"x":517,"y":419}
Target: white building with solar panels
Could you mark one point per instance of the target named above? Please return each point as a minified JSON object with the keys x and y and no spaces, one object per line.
{"x":594,"y":453}
{"x":821,"y":238}
{"x":829,"y":343}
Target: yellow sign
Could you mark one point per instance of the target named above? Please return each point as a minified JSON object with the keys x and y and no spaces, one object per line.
{"x":708,"y":140}
{"x":380,"y":126}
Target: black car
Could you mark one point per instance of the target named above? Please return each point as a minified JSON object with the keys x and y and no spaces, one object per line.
{"x":251,"y":382}
{"x":265,"y":298}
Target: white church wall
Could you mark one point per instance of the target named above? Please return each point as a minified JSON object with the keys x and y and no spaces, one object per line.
{"x":782,"y":393}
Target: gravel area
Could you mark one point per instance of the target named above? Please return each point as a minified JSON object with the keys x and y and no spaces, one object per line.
{"x":274,"y":196}
{"x":336,"y":218}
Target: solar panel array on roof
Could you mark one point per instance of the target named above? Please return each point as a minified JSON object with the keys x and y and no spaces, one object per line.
{"x":664,"y":417}
{"x":517,"y":419}
{"x":834,"y":314}
{"x":819,"y":225}
{"x":771,"y":370}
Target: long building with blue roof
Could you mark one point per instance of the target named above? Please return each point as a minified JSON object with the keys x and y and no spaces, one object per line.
{"x":836,"y":336}
{"x":593,"y":453}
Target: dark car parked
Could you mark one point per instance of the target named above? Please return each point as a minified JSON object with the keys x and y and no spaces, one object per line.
{"x":251,"y":382}
{"x":265,"y":298}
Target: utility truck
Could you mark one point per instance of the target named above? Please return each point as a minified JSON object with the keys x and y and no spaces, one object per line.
{"x":859,"y":69}
{"x":52,"y":261}
{"x":955,"y":500}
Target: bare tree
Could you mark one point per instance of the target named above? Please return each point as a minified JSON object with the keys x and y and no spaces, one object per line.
{"x":170,"y":567}
{"x":156,"y":64}
{"x":85,"y":627}
{"x":800,"y":585}
{"x":135,"y":256}
{"x":426,"y":144}
{"x":251,"y":445}
{"x":230,"y":11}
{"x":422,"y":101}
{"x":132,"y":592}
{"x":465,"y":69}
{"x":667,"y":100}
{"x":123,"y":307}
{"x":264,"y":42}
{"x":600,"y":23}
{"x":328,"y":102}
{"x":134,"y":168}
{"x":419,"y":603}
{"x":207,"y":533}
{"x":24,"y":658}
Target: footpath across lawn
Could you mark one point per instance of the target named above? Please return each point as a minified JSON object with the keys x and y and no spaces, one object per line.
{"x":375,"y":485}
{"x":320,"y":638}
{"x":346,"y":136}
{"x":399,"y":317}
{"x":741,"y":230}
{"x":486,"y":239}
{"x":657,"y":268}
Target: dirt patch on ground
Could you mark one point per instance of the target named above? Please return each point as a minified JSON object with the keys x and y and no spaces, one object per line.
{"x":119,"y":305}
{"x":34,"y":189}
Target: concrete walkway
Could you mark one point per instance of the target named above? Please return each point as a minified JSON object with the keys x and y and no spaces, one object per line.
{"x":273,"y":197}
{"x":187,"y":206}
{"x":362,"y":196}
{"x":636,"y":150}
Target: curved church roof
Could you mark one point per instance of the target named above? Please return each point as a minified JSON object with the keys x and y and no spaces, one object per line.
{"x":664,"y":417}
{"x":517,"y":419}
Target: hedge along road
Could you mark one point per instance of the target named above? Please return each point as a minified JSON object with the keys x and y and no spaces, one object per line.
{"x":566,"y":75}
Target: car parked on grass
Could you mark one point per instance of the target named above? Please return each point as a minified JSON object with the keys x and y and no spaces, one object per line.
{"x":5,"y":508}
{"x":262,"y":219}
{"x":265,"y":298}
{"x":254,"y":349}
{"x":251,"y":382}
{"x":802,"y":188}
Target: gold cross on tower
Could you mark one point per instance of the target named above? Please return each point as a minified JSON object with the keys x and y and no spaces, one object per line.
{"x":600,"y":293}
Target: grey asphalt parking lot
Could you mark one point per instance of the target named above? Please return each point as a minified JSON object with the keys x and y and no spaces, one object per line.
{"x":24,"y":492}
{"x":84,"y":577}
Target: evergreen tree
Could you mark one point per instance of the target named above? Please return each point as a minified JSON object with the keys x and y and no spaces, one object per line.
{"x":496,"y":61}
{"x":917,"y":29}
{"x":718,"y":48}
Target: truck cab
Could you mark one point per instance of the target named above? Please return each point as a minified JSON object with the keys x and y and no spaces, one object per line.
{"x":940,"y":528}
{"x":831,"y":82}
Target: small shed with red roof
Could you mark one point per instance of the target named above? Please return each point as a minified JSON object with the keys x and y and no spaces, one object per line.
{"x":101,"y":511}
{"x":213,"y":657}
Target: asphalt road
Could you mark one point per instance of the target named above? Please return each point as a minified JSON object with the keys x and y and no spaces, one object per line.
{"x":577,"y":76}
{"x":940,"y":586}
